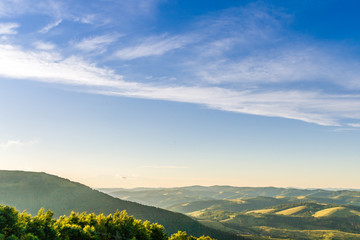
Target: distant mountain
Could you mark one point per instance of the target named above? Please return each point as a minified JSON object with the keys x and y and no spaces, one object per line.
{"x":234,"y":205}
{"x":261,"y":213}
{"x":31,"y":190}
{"x":167,"y":197}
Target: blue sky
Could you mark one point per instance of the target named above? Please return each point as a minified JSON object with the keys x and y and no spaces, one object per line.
{"x":172,"y":93}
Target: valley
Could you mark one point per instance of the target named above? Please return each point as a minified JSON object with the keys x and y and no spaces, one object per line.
{"x":261,"y":213}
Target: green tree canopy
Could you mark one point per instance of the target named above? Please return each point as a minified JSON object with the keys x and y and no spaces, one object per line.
{"x":81,"y":226}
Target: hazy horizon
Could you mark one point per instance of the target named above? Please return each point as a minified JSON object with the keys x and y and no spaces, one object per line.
{"x":167,"y":93}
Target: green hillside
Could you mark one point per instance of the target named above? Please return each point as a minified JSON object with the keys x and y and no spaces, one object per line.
{"x":30,"y":191}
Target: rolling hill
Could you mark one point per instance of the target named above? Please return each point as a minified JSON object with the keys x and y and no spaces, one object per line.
{"x":261,"y":213}
{"x":168,"y":197}
{"x":32,"y":190}
{"x":297,"y":220}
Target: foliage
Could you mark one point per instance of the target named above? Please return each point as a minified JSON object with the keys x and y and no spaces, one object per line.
{"x":183,"y":236}
{"x":22,"y":226}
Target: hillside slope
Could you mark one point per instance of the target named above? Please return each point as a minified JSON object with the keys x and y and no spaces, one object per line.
{"x":292,"y":220}
{"x":31,"y":190}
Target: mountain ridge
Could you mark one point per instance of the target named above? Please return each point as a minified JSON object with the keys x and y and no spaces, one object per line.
{"x":167,"y":197}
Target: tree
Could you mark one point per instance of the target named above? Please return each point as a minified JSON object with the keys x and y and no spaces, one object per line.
{"x":15,"y":226}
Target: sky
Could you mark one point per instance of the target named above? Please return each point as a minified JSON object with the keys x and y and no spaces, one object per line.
{"x":165,"y":93}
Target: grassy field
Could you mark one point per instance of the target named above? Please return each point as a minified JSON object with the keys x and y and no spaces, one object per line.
{"x":307,"y":234}
{"x":328,"y":211}
{"x":291,"y":211}
{"x":262,"y":211}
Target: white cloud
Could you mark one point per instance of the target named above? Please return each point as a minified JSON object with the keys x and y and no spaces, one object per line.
{"x":8,"y":28}
{"x":50,"y":26}
{"x":345,"y":129}
{"x":137,"y":7}
{"x":153,"y":46}
{"x":8,"y":7}
{"x":355,"y":125}
{"x":88,"y":19}
{"x":13,"y":8}
{"x":97,"y":43}
{"x":247,"y":46}
{"x":15,"y":143}
{"x":239,"y":65}
{"x":4,"y":38}
{"x":44,"y":45}
{"x":283,"y":64}
{"x":308,"y":106}
{"x":49,"y":67}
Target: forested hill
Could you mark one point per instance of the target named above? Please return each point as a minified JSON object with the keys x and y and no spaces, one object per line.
{"x":31,"y":190}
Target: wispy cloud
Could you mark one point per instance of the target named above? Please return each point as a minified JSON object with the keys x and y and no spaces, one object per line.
{"x":8,"y":28}
{"x":284,"y":65}
{"x":313,"y":107}
{"x":8,"y":7}
{"x":247,"y":46}
{"x":346,"y":129}
{"x":137,"y":7}
{"x":44,"y":45}
{"x":97,"y":43}
{"x":88,"y":18}
{"x":50,"y":67}
{"x":50,"y":26}
{"x":153,"y":46}
{"x":355,"y":125}
{"x":237,"y":61}
{"x":15,"y":143}
{"x":309,"y":106}
{"x":56,"y":9}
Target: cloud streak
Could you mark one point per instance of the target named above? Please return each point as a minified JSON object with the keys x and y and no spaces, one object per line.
{"x":8,"y":28}
{"x":15,"y":143}
{"x":97,"y":43}
{"x":308,"y":106}
{"x":153,"y":46}
{"x":44,"y":45}
{"x":236,"y":62}
{"x":50,"y":26}
{"x":50,"y":67}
